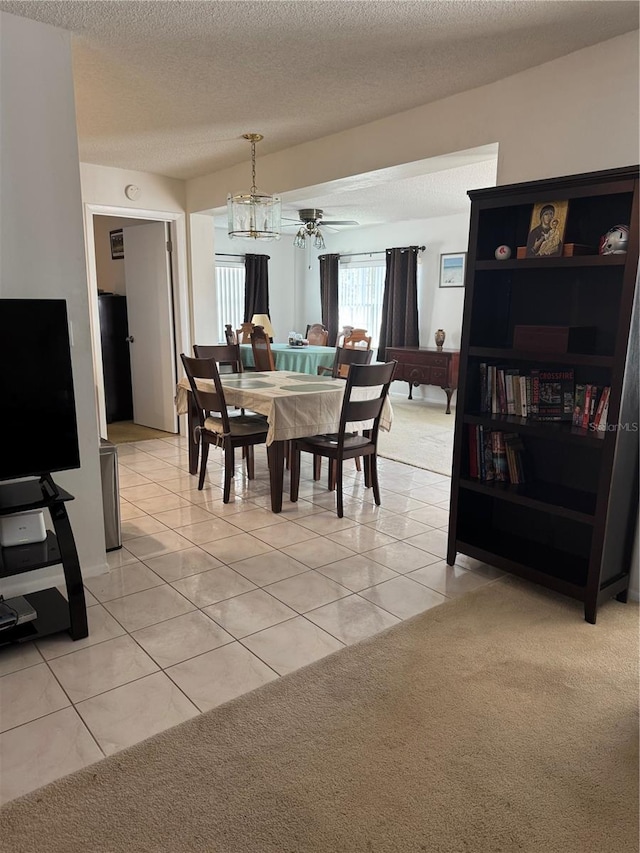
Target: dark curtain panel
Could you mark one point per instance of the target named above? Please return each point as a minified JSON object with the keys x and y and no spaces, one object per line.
{"x":329,"y":294}
{"x":256,"y":286}
{"x":399,"y":324}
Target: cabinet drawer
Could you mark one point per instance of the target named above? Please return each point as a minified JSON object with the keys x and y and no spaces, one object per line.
{"x":416,"y":373}
{"x":438,"y":376}
{"x":438,"y":361}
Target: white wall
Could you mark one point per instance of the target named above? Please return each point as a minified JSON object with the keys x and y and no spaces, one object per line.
{"x":106,"y":185}
{"x":41,"y":239}
{"x":110,"y":272}
{"x":585,"y":104}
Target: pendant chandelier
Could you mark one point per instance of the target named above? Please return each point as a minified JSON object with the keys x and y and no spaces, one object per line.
{"x":254,"y":215}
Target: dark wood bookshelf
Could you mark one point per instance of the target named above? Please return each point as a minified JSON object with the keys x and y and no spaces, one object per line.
{"x":570,"y":526}
{"x":54,"y":612}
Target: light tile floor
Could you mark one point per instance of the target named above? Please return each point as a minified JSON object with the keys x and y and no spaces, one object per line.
{"x":207,"y":601}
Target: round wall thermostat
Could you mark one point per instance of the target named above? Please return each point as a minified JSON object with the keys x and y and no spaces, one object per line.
{"x":503,"y":253}
{"x":132,"y":191}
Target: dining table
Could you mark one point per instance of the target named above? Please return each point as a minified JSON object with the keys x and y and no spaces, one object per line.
{"x":295,"y":404}
{"x":296,"y":359}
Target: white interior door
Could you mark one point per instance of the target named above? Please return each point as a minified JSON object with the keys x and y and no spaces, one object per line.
{"x":147,"y":266}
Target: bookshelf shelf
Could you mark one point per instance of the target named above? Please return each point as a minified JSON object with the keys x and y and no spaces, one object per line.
{"x":555,"y":263}
{"x":558,"y":431}
{"x":546,"y":497}
{"x":570,"y":525}
{"x":569,"y":358}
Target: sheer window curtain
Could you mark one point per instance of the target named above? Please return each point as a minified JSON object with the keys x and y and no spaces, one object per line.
{"x":399,"y":325}
{"x":329,"y":294}
{"x":256,"y":293}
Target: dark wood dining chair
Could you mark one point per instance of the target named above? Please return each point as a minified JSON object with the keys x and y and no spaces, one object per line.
{"x":345,"y":357}
{"x":226,"y":355}
{"x":262,"y":355}
{"x":219,"y":429}
{"x":317,"y":335}
{"x":347,"y":445}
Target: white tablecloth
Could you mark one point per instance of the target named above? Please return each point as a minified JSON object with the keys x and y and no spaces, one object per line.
{"x":295,"y":404}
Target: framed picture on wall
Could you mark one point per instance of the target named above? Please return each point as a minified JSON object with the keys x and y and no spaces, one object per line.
{"x":117,"y":245}
{"x":452,"y":268}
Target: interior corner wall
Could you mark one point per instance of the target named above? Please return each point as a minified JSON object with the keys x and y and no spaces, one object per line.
{"x":110,"y":272}
{"x":41,"y":241}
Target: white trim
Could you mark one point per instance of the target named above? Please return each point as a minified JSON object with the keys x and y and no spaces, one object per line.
{"x":181,"y":307}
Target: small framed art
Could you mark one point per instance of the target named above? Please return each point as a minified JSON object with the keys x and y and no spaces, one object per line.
{"x":546,"y":231}
{"x":452,"y":267}
{"x":117,"y":245}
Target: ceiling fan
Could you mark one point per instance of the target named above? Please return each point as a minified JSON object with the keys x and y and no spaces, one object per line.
{"x":309,"y":227}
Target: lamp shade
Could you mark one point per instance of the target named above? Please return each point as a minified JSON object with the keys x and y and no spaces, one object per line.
{"x":264,"y":321}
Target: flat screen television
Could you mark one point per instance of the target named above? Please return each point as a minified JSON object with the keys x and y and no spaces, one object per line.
{"x":38,"y":426}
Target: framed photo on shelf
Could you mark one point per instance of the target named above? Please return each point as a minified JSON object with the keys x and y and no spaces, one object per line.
{"x":117,"y":245}
{"x":546,"y":231}
{"x":452,"y":267}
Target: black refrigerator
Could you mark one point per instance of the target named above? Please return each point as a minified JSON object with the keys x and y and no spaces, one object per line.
{"x":116,"y":364}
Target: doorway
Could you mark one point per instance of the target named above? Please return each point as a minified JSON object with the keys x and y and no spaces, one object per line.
{"x":135,"y":390}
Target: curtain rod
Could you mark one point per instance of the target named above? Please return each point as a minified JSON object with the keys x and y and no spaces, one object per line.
{"x":228,"y":255}
{"x":379,"y":252}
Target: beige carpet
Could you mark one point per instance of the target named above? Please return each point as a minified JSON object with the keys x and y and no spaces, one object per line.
{"x":421,"y":435}
{"x":500,"y":721}
{"x":122,"y":432}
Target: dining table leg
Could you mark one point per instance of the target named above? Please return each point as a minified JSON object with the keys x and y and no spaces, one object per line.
{"x":275,"y":455}
{"x":192,"y":422}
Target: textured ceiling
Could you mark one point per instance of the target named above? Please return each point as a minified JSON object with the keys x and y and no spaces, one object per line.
{"x":170,"y":87}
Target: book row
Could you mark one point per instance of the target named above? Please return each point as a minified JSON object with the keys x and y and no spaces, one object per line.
{"x":543,"y":394}
{"x":496,"y":456}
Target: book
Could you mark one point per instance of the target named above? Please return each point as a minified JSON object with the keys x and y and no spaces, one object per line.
{"x":578,"y":405}
{"x":499,"y":457}
{"x":602,"y":403}
{"x":473,"y":451}
{"x":555,"y":393}
{"x":587,"y":406}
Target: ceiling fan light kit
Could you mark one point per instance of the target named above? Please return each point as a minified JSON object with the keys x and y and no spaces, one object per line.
{"x":311,"y":219}
{"x":254,"y":215}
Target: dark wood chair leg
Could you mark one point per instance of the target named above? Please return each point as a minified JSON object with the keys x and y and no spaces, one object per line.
{"x":203,"y":462}
{"x":367,"y":472}
{"x":358,"y":465}
{"x":229,"y":465}
{"x":317,"y":466}
{"x":250,"y":461}
{"x":294,"y":455}
{"x":373,"y":462}
{"x":331,"y":481}
{"x":338,"y":464}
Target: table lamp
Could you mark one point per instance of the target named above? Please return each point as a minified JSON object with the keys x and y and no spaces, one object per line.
{"x":264,"y":321}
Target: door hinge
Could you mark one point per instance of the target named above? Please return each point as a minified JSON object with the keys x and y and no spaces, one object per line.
{"x":169,"y":246}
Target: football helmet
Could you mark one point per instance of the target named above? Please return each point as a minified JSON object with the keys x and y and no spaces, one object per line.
{"x":614,"y":241}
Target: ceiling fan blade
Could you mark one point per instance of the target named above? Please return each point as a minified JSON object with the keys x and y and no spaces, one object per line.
{"x":338,"y":222}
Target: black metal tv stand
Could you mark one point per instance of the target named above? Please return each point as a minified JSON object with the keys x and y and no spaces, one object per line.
{"x":55,"y":614}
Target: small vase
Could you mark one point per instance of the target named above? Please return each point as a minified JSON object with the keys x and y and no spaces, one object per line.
{"x":440,"y":336}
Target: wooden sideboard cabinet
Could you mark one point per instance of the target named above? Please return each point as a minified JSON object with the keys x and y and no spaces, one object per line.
{"x":427,"y":366}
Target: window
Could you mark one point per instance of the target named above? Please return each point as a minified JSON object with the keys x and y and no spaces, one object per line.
{"x":360,"y":294}
{"x":229,"y":296}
